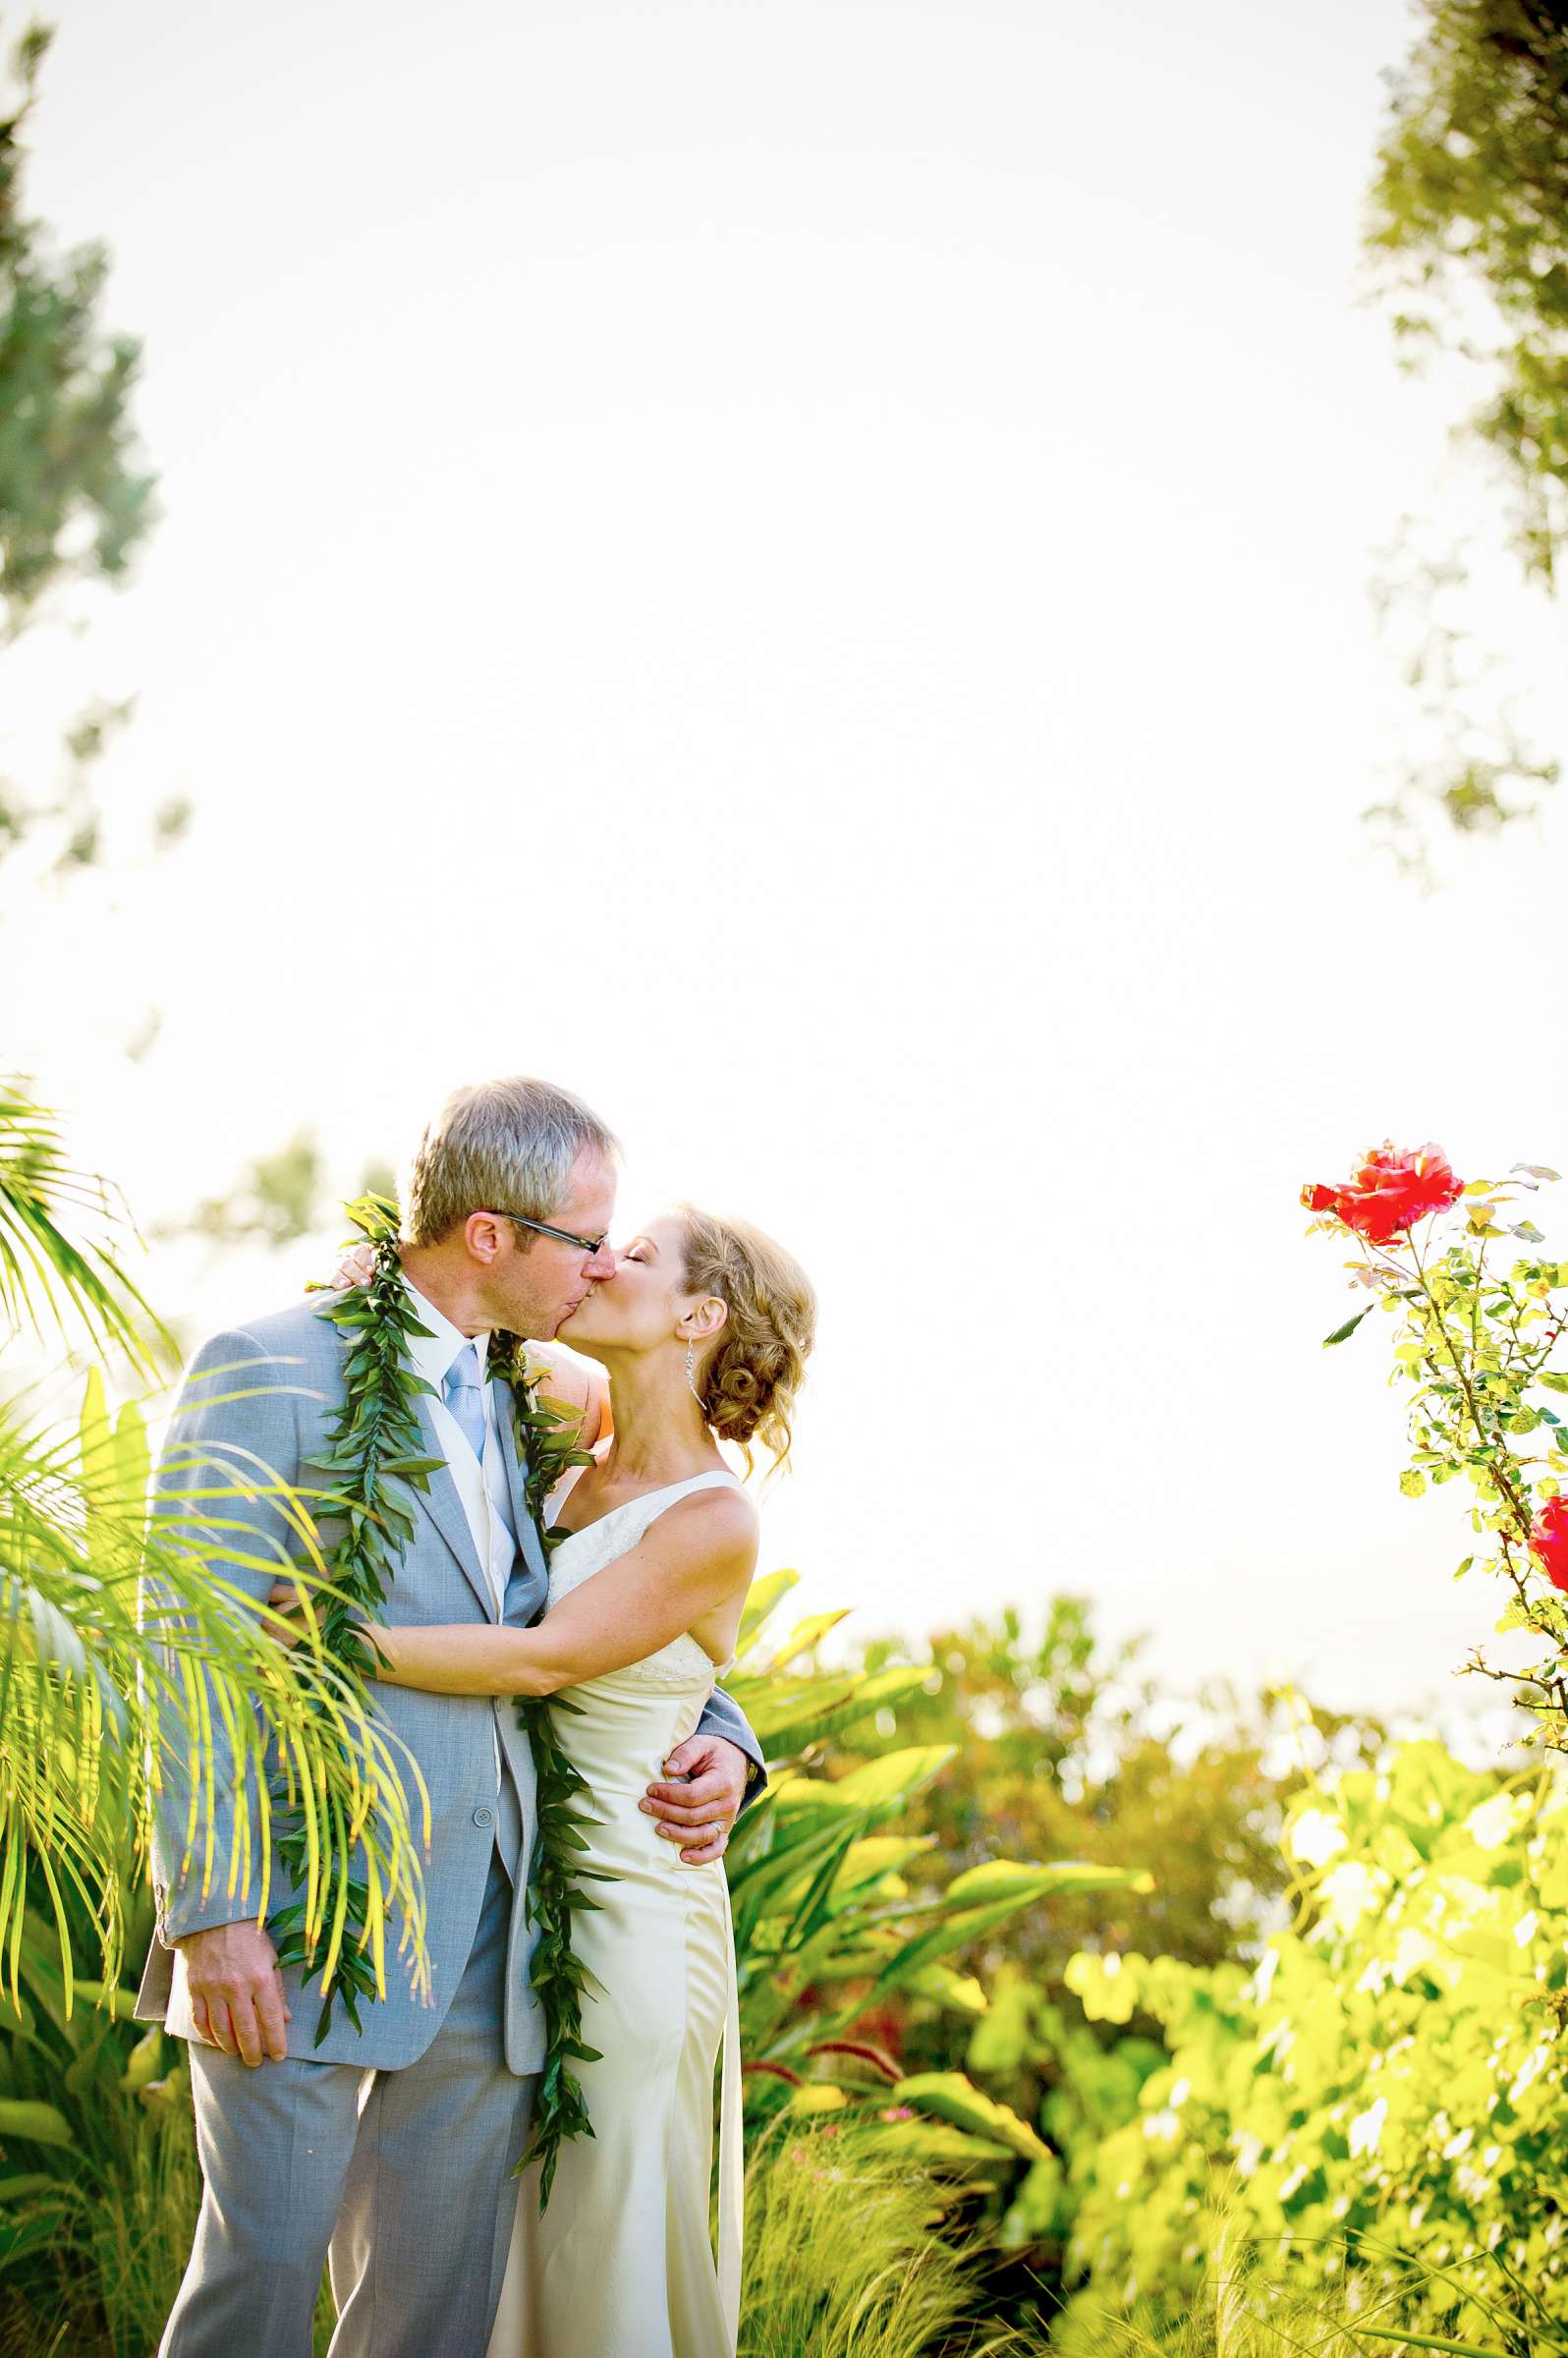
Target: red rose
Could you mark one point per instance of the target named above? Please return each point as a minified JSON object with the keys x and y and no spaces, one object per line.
{"x":1389,"y":1192}
{"x":1548,"y":1539}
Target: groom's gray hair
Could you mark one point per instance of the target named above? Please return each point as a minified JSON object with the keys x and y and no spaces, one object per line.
{"x":499,"y":1146}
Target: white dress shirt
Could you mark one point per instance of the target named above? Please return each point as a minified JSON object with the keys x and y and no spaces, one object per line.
{"x":482,"y":1487}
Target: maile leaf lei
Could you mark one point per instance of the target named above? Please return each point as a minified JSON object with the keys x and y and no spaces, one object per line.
{"x":556,"y":1869}
{"x":374,"y":1460}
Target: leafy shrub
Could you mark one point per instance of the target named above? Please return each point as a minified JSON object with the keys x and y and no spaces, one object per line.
{"x":830,"y":1927}
{"x":1386,"y":2097}
{"x":99,"y":2182}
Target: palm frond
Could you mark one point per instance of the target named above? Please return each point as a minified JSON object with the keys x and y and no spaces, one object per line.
{"x":129,"y":1664}
{"x":48,"y":1279}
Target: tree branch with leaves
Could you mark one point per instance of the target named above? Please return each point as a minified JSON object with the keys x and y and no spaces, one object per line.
{"x":1468,"y":237}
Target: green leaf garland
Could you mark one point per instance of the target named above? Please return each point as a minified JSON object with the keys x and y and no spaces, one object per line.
{"x":374,"y":1459}
{"x":556,"y":1869}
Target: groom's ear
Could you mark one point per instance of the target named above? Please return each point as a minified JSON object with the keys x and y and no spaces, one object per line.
{"x":482,"y":1233}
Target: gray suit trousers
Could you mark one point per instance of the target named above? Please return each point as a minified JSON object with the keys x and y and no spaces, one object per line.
{"x":401,"y":2181}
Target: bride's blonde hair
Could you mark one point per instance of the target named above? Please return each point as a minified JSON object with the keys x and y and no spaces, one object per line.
{"x":748,"y":1381}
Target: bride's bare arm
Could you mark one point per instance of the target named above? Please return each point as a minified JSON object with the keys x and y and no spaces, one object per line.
{"x":699,"y":1555}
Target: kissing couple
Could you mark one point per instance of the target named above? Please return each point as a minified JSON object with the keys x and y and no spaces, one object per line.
{"x":388,"y":2152}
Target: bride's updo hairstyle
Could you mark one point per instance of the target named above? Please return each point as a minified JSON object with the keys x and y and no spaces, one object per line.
{"x":750,"y":1379}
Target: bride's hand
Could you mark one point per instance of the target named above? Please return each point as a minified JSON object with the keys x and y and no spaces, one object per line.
{"x":355,"y":1267}
{"x":290,"y":1620}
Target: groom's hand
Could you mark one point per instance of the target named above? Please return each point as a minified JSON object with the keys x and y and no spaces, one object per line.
{"x":703,"y":1799}
{"x":236,"y":1998}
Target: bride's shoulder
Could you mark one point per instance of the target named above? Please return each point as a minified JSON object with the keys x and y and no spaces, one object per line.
{"x":578,"y":1384}
{"x":720,"y":1521}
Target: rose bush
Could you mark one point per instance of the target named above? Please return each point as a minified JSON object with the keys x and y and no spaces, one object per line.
{"x":1474,"y":1342}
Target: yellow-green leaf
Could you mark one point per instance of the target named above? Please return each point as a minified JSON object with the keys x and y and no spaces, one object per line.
{"x":39,"y":2122}
{"x":896,"y":1776}
{"x":954,"y":2098}
{"x":819,"y":2095}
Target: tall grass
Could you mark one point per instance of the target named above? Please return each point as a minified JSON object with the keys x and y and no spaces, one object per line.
{"x":1245,"y":2311}
{"x":846,"y":2257}
{"x":113,"y":2248}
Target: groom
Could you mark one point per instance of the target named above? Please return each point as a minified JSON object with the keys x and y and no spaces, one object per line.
{"x":388,"y":2151}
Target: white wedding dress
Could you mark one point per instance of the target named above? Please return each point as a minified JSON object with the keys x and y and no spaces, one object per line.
{"x":621,"y":2265}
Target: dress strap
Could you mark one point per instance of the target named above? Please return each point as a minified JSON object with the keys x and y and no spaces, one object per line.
{"x":683,"y":1490}
{"x":731,"y":2159}
{"x":651,"y":1504}
{"x":631,"y":1521}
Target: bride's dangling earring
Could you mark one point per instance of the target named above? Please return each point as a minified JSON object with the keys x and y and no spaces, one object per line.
{"x":691,"y":1362}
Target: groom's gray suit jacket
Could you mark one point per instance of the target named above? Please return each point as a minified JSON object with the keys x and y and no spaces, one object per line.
{"x":257,"y":1401}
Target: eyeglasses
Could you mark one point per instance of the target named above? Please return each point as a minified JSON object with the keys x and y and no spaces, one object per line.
{"x":584,"y":1244}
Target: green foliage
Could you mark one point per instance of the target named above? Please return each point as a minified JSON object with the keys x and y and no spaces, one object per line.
{"x":1471,"y":216}
{"x":1242,"y":2310}
{"x":120,"y":1650}
{"x":67,"y":1787}
{"x":47,"y":1274}
{"x":1061,"y":1744}
{"x":76,"y":501}
{"x":831,"y":1932}
{"x":1468,"y":231}
{"x":1384,"y":2096}
{"x":74,"y":504}
{"x":277,"y":1197}
{"x":98,"y":2181}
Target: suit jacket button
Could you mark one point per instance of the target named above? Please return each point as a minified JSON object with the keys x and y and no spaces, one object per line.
{"x":484,"y":1817}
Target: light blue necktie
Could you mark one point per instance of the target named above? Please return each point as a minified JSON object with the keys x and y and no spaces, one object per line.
{"x":464,"y":1395}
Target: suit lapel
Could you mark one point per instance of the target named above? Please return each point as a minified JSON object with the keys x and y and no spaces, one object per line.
{"x":445,"y":1510}
{"x":528,"y":1535}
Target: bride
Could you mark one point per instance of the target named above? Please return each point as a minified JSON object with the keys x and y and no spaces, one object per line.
{"x":702,"y":1332}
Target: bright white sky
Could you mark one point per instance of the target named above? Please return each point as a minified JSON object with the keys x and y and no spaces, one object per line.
{"x":801,"y":569}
